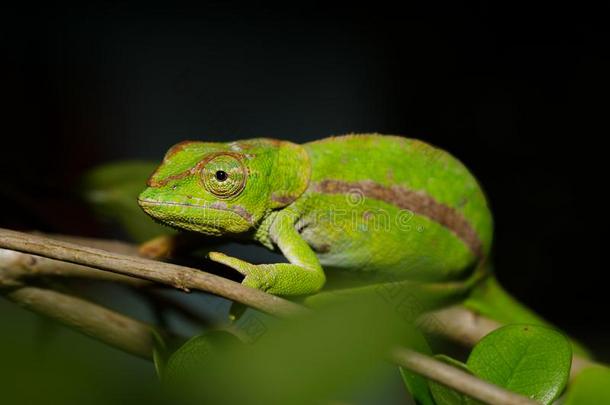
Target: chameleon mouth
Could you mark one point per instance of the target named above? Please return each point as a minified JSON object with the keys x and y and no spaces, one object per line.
{"x":151,"y":207}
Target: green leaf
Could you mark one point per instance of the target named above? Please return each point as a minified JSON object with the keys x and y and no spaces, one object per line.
{"x":159,"y":353}
{"x":447,"y":396}
{"x":417,"y":386}
{"x":112,"y":191}
{"x":528,"y":359}
{"x":415,"y":383}
{"x":184,"y":364}
{"x":591,"y":386}
{"x":328,"y":354}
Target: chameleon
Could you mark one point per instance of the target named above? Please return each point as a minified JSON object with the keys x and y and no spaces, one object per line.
{"x":351,"y":210}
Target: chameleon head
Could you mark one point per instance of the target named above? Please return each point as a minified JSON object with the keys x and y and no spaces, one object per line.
{"x":213,"y":188}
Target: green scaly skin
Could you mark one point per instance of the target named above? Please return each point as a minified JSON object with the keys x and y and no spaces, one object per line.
{"x":366,"y":208}
{"x":350,"y":213}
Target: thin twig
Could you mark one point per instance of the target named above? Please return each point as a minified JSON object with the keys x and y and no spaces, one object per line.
{"x":464,"y":326}
{"x":17,"y":266}
{"x":456,"y":323}
{"x":457,"y":379}
{"x":181,"y":277}
{"x":93,"y":320}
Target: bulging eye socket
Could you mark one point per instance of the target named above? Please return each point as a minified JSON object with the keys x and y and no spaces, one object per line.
{"x":224,"y":175}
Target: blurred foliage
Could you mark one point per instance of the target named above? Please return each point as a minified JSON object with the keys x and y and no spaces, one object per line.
{"x":196,"y":353}
{"x":415,"y":383}
{"x":321,"y":356}
{"x":591,"y":386}
{"x":44,"y":363}
{"x":447,"y":396}
{"x":112,"y":191}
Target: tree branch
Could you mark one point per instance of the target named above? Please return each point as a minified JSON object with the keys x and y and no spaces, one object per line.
{"x":18,"y":266}
{"x":184,"y":278}
{"x":464,"y":326}
{"x":93,"y":320}
{"x":65,"y":259}
{"x":457,"y":379}
{"x":136,"y":337}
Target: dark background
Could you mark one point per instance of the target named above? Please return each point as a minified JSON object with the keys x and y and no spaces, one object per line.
{"x":519,"y":93}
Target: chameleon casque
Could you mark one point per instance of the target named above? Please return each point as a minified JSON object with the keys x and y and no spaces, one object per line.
{"x":357,"y":208}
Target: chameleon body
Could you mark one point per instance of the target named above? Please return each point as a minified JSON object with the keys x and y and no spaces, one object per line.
{"x":354,"y":207}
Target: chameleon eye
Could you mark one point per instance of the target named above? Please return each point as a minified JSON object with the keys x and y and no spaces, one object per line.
{"x":224,"y":175}
{"x":221,"y":175}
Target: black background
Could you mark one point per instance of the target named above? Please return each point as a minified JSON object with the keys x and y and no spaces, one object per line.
{"x":519,"y":93}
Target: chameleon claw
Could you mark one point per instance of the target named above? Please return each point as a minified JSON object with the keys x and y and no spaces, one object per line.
{"x":256,"y":276}
{"x":229,"y":261}
{"x":216,"y":256}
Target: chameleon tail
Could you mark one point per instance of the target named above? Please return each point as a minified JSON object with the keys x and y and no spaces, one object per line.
{"x":491,"y":300}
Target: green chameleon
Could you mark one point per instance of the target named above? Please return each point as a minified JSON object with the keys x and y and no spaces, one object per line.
{"x":345,"y":211}
{"x":348,"y":213}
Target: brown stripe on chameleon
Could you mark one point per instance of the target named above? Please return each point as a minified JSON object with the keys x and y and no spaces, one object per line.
{"x":283,"y":199}
{"x":160,"y":183}
{"x":238,"y":209}
{"x":416,"y":202}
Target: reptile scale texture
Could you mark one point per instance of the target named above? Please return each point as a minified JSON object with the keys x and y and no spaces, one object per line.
{"x":359,"y":208}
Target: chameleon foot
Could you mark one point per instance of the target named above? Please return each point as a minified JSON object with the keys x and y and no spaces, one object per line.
{"x":260,"y":276}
